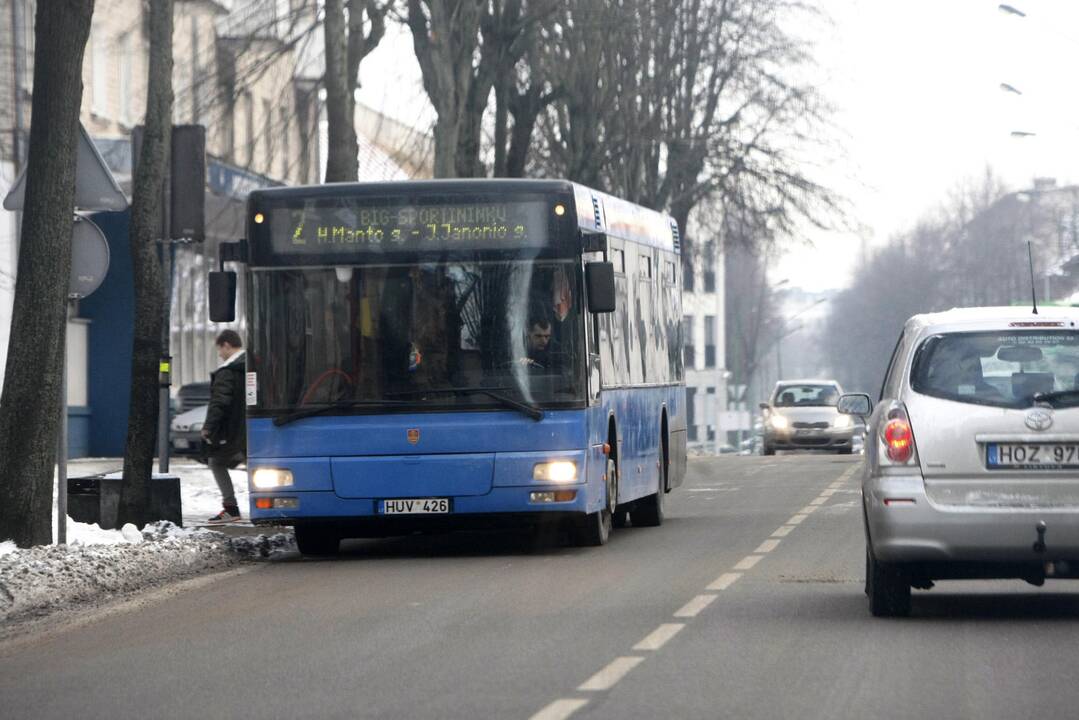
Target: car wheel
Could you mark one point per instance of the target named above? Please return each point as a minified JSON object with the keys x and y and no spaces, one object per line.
{"x":768,"y":450}
{"x":595,"y":528}
{"x":316,"y":541}
{"x":888,"y":588}
{"x":846,"y":451}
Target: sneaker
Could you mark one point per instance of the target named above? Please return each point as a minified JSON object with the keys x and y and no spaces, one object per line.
{"x":227,"y":515}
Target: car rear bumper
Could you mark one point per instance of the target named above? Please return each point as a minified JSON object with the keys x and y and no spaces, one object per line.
{"x":905,"y":526}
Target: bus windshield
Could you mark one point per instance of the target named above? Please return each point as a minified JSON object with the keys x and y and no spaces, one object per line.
{"x":452,"y":334}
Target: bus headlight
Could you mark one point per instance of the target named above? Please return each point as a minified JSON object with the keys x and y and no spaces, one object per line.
{"x":270,"y":478}
{"x":558,"y":471}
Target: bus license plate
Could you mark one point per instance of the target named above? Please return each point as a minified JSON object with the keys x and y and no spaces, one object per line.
{"x":416,"y":506}
{"x":1032,"y":456}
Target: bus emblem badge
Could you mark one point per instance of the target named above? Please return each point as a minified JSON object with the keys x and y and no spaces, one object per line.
{"x":413,"y":435}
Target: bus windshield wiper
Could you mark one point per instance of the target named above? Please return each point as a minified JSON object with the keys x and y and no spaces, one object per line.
{"x":285,"y":419}
{"x":1056,"y":395}
{"x":496,"y":393}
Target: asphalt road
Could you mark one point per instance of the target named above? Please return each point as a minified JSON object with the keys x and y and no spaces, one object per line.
{"x":746,"y":603}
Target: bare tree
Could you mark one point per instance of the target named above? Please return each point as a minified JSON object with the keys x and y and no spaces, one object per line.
{"x":347,"y":44}
{"x":149,"y":286}
{"x":446,"y":37}
{"x":667,"y":102}
{"x":30,"y":403}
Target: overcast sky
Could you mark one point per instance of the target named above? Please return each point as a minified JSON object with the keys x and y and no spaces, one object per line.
{"x":919,"y":108}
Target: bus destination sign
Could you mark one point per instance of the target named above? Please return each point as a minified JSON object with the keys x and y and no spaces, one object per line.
{"x":347,"y":228}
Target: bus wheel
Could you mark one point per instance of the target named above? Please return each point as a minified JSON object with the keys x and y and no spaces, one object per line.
{"x":317,"y":541}
{"x":595,"y":528}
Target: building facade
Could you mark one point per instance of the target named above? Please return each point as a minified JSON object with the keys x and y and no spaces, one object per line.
{"x":239,"y":72}
{"x":704,"y":353}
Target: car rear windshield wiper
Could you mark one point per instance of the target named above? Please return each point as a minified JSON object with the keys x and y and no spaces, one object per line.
{"x":285,"y":419}
{"x":497,"y":393}
{"x":1049,"y":397}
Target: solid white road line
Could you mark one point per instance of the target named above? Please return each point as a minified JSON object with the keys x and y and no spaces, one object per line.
{"x":747,"y":562}
{"x":694,"y":606}
{"x":827,"y":493}
{"x":724,"y":581}
{"x":767,"y":546}
{"x":609,"y":676}
{"x":659,"y":637}
{"x":797,"y":519}
{"x":783,"y":531}
{"x":819,"y":501}
{"x":808,"y":509}
{"x":560,"y":709}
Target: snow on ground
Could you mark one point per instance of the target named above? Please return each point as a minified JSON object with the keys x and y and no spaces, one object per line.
{"x":97,"y":564}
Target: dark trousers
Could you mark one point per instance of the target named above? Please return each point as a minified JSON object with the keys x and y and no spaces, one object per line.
{"x":220,"y":468}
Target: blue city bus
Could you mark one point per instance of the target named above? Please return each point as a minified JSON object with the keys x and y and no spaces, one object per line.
{"x":461,"y":353}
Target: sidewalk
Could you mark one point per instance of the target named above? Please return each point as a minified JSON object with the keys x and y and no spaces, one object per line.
{"x":98,"y":565}
{"x":199,"y":497}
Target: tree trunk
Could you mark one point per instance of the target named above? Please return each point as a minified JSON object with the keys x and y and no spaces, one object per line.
{"x":146,"y":230}
{"x":446,"y":133}
{"x":342,"y":163}
{"x":30,"y":402}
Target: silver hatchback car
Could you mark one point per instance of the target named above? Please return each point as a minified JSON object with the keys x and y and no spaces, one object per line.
{"x":972,"y":453}
{"x":802,"y":415}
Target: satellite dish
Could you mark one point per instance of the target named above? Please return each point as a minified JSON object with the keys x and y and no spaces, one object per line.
{"x":89,"y":258}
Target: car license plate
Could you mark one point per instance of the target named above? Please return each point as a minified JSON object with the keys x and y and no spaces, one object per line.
{"x":1032,"y":456}
{"x":416,"y":506}
{"x":181,"y":444}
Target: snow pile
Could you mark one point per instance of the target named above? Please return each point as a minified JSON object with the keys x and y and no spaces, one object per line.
{"x":98,"y":564}
{"x":43,"y":579}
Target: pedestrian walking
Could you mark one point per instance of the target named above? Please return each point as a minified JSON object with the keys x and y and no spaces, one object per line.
{"x":225,"y":428}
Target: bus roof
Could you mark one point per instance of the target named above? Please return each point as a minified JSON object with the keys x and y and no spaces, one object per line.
{"x":596,"y":211}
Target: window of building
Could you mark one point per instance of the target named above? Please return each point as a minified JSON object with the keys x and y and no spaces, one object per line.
{"x":249,"y":130}
{"x":99,"y":50}
{"x":709,"y":256}
{"x":127,"y":72}
{"x":196,"y":72}
{"x":286,"y":145}
{"x":618,"y":259}
{"x":709,"y":341}
{"x":269,"y":146}
{"x":688,"y":349}
{"x":691,"y":422}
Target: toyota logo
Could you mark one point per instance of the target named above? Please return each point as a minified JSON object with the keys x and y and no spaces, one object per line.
{"x":1039,"y":419}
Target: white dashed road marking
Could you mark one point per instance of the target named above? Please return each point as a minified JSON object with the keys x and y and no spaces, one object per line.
{"x":560,"y":709}
{"x":606,"y":678}
{"x":767,"y":546}
{"x":618,"y":668}
{"x":659,"y":637}
{"x":694,"y":606}
{"x":724,"y":581}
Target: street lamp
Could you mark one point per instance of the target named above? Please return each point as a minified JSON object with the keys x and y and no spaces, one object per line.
{"x":781,"y":334}
{"x":1009,"y":10}
{"x":1010,"y":88}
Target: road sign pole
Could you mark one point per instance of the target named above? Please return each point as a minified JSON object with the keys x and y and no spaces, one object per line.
{"x":61,"y":451}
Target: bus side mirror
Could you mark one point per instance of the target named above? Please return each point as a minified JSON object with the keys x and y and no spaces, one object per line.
{"x":599,"y":280}
{"x":222,"y":296}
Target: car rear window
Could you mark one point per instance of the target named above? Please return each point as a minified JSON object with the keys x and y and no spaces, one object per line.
{"x":796,"y":395}
{"x":1004,"y":369}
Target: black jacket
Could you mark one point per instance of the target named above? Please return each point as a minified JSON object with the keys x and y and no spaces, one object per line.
{"x":226,"y":416}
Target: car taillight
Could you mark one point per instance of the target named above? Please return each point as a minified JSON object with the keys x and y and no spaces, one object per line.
{"x":899,"y":440}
